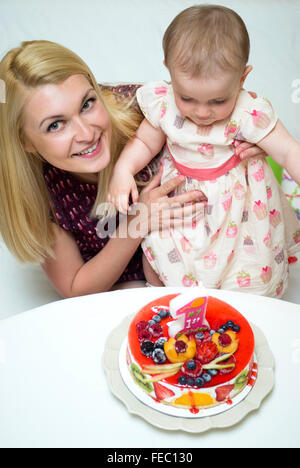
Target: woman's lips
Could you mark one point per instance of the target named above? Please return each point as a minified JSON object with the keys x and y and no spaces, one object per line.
{"x":93,"y":153}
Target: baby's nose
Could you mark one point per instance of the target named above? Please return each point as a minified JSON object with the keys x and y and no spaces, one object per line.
{"x":202,"y":112}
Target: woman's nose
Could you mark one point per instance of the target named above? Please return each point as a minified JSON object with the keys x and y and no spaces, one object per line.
{"x":83,"y":131}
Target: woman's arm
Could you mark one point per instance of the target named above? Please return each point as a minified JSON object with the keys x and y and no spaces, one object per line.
{"x":72,"y":277}
{"x":245,"y":150}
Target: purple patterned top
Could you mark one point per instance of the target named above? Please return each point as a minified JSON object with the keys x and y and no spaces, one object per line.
{"x":73,"y":200}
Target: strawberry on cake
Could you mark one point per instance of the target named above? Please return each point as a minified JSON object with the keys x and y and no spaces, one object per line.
{"x":190,"y":351}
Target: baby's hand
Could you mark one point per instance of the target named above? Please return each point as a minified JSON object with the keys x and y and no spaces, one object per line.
{"x":121,"y":186}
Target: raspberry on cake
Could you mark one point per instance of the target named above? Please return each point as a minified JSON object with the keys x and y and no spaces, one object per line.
{"x":201,"y":355}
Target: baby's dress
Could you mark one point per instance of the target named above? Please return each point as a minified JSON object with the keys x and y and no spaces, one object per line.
{"x":247,"y":231}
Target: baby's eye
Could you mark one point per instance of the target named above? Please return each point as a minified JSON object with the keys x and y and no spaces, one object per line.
{"x":185,"y":99}
{"x":88,"y":103}
{"x":55,"y":126}
{"x":220,"y":101}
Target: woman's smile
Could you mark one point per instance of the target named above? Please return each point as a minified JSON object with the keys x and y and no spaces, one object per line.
{"x":90,"y":152}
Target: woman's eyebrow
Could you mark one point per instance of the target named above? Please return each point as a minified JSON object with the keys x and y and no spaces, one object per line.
{"x":60,"y":116}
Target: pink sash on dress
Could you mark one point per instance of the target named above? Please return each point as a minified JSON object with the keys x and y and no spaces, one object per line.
{"x":206,"y":174}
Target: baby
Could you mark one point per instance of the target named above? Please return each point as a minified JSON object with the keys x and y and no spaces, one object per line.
{"x":247,"y":231}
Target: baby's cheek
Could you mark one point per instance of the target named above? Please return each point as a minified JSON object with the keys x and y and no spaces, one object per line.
{"x":225,"y":111}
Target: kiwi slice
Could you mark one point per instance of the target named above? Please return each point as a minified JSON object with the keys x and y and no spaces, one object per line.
{"x":241,"y":380}
{"x":140,"y":378}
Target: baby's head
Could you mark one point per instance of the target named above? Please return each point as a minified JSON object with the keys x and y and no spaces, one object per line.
{"x":206,"y":50}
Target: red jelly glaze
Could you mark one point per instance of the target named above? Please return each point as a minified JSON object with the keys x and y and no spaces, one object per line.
{"x":218,"y":312}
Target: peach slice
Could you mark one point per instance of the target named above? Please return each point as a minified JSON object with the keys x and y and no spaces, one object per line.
{"x":174,"y":356}
{"x":229,"y":348}
{"x":192,"y":399}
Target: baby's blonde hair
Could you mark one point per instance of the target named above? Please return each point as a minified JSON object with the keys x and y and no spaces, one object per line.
{"x":25,"y":204}
{"x":206,"y":39}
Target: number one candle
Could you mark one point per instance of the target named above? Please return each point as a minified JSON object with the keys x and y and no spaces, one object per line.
{"x":188,"y":309}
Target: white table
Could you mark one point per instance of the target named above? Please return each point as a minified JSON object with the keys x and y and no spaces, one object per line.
{"x":54,"y":393}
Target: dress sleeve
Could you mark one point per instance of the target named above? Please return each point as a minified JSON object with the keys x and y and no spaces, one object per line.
{"x":152,"y":99}
{"x":257,"y":120}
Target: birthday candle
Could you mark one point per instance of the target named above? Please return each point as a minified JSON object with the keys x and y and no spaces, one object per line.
{"x":188,"y":309}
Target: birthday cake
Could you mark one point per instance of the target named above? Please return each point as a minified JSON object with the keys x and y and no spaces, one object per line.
{"x":191,"y":351}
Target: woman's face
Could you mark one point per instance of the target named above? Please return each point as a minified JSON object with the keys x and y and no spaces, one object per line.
{"x":68,"y":126}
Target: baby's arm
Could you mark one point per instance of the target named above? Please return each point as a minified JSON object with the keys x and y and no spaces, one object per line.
{"x":135,"y":156}
{"x":284,"y":149}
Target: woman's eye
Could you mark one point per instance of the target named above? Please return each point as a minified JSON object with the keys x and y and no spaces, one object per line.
{"x":88,"y":103}
{"x":55,"y":126}
{"x":220,"y":102}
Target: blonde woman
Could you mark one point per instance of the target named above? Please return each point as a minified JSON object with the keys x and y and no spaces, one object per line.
{"x":59,"y":140}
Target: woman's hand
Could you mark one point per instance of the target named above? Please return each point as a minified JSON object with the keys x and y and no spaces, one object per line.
{"x":158,"y":211}
{"x":248,"y":150}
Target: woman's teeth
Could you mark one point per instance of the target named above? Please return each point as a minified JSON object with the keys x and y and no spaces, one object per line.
{"x":90,"y":150}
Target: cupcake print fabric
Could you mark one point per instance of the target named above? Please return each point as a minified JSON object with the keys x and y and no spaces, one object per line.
{"x":245,"y":234}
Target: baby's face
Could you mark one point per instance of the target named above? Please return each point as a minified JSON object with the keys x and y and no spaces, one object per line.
{"x":205,"y":101}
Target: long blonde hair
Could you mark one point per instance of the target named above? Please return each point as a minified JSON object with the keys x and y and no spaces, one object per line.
{"x":25,"y":205}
